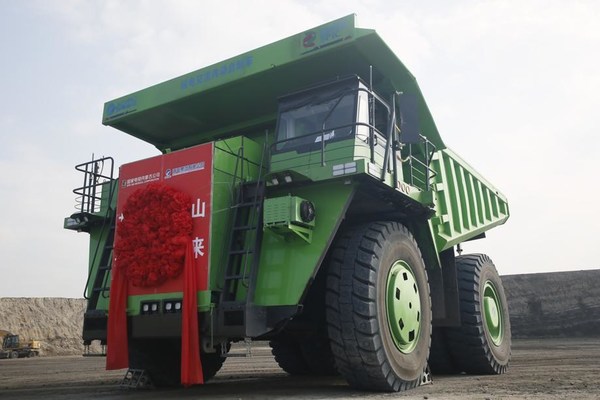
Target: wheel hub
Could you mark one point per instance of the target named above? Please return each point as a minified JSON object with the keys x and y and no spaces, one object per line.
{"x":403,"y":305}
{"x":493,"y":313}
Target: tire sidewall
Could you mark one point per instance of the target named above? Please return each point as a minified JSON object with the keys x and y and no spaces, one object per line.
{"x":501,"y":353}
{"x":400,"y":246}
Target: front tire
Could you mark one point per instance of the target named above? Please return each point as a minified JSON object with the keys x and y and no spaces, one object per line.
{"x":379,"y":308}
{"x":482,"y":345}
{"x":161,"y":359}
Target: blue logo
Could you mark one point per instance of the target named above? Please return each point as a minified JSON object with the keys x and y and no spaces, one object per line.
{"x":120,"y":107}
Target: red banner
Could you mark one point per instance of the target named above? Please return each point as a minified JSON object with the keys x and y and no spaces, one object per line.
{"x":188,"y":171}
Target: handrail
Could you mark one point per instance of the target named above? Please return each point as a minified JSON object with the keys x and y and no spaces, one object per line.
{"x":90,"y":194}
{"x":423,"y":168}
{"x":90,"y":201}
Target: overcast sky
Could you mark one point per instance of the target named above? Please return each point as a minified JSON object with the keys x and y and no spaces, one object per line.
{"x":514,"y":87}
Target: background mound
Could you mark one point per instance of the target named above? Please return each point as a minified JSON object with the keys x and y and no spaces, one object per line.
{"x":56,"y":322}
{"x":559,"y":304}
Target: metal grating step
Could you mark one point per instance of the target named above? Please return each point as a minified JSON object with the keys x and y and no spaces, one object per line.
{"x":135,"y":379}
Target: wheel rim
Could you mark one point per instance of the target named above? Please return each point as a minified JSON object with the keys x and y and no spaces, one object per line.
{"x":403,"y":304}
{"x":492,"y":312}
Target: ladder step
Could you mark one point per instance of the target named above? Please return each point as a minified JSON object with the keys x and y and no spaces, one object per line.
{"x":248,"y":203}
{"x":232,"y":305}
{"x":237,"y":355}
{"x":105,"y":268}
{"x":135,"y":378}
{"x":244,"y":228}
{"x":245,"y":232}
{"x":238,"y":252}
{"x":233,"y":277}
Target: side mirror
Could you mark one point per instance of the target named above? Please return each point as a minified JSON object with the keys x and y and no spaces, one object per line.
{"x":409,"y":118}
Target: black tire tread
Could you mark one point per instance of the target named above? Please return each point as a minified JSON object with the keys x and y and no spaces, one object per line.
{"x":468,"y":344}
{"x":354,"y":335}
{"x":211,"y":363}
{"x":161,"y":359}
{"x":441,"y":361}
{"x":289,"y":356}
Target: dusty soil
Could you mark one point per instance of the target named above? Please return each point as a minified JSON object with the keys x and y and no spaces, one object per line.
{"x":540,"y":369}
{"x":549,"y":306}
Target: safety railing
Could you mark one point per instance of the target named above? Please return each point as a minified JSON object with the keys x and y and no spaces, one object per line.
{"x":420,"y":171}
{"x":98,"y":174}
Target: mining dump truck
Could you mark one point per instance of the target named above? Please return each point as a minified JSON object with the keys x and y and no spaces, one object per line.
{"x":302,"y":195}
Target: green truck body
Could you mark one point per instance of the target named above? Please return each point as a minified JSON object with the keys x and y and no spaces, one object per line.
{"x":311,"y":139}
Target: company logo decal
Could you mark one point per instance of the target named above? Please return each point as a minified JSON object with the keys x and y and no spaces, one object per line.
{"x":140,"y":180}
{"x":121,"y":107}
{"x":185,"y":169}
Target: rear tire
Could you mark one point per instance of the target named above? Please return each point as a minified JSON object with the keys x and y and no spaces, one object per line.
{"x":289,"y":356}
{"x":212,"y":362}
{"x":318,"y":356}
{"x":379,"y":308}
{"x":441,"y":361}
{"x":482,"y":345}
{"x":14,"y":354}
{"x":306,"y":356}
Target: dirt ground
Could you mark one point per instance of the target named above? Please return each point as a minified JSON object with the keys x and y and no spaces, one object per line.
{"x":540,"y":369}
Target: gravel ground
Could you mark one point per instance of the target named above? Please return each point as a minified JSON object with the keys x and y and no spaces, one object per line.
{"x":540,"y":369}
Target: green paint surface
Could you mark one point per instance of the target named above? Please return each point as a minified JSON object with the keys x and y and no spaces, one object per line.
{"x":287,"y":263}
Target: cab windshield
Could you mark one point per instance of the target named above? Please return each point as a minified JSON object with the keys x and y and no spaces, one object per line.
{"x":304,"y":122}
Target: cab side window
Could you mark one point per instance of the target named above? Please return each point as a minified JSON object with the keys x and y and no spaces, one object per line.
{"x":381,"y":118}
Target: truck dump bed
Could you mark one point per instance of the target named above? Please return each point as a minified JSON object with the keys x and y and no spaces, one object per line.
{"x":198,"y":107}
{"x":239,"y":95}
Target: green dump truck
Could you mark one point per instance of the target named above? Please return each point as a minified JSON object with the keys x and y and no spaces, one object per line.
{"x":303,"y":195}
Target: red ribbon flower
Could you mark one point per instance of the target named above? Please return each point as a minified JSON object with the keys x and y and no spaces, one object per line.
{"x":152,"y":237}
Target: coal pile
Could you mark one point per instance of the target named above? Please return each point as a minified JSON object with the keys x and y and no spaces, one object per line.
{"x":558,"y":304}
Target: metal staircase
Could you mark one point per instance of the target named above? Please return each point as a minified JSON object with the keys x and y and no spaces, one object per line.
{"x":101,"y":284}
{"x":243,"y":251}
{"x":245,"y":239}
{"x":95,"y":200}
{"x":95,"y":212}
